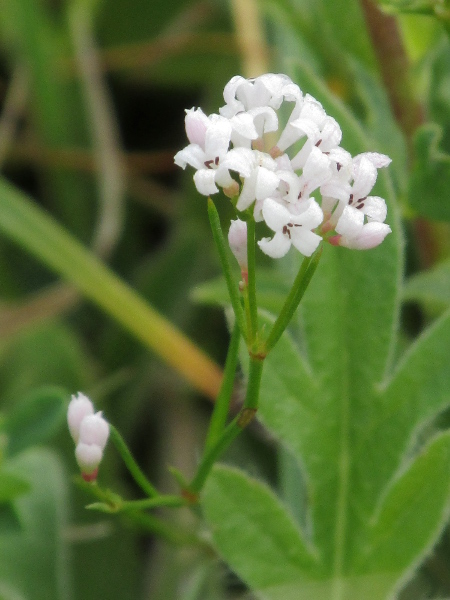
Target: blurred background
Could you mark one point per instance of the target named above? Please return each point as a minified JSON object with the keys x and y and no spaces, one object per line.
{"x":92,"y":112}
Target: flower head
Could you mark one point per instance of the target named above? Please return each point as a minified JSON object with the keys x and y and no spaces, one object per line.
{"x":275,"y":183}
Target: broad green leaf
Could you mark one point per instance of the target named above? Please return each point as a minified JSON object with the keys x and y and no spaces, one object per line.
{"x":412,"y":513}
{"x":254,"y":532}
{"x":35,"y":419}
{"x":9,"y":593}
{"x":429,"y":184}
{"x":430,"y":287}
{"x":417,"y":392}
{"x":34,"y":560}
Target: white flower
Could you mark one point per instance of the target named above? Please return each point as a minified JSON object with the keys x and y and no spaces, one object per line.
{"x":354,"y":233}
{"x":292,"y":226}
{"x":208,"y":152}
{"x":262,"y":181}
{"x":237,"y":238}
{"x":79,"y":407}
{"x":363,"y":171}
{"x":242,"y":94}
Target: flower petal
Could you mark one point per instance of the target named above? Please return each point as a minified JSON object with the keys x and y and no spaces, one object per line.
{"x":275,"y":214}
{"x":304,"y":240}
{"x":350,"y":222}
{"x":204,"y":180}
{"x":276,"y":247}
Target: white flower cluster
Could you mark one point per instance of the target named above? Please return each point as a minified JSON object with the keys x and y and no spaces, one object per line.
{"x":227,"y":151}
{"x":90,"y":433}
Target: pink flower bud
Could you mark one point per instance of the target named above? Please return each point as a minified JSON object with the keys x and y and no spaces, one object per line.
{"x":237,"y":238}
{"x":80,"y":407}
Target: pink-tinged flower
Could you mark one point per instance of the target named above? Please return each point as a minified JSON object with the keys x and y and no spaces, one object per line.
{"x":354,"y":233}
{"x":237,"y":238}
{"x":292,"y":226}
{"x":79,"y":407}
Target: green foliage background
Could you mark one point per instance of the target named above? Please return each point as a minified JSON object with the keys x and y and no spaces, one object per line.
{"x":93,"y":99}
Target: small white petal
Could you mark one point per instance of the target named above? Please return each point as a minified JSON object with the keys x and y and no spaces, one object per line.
{"x":275,"y":214}
{"x":375,"y":208}
{"x":266,"y":183}
{"x":244,"y":126}
{"x":370,"y":236}
{"x":276,"y":247}
{"x":223,"y":178}
{"x":365,"y":175}
{"x":265,"y":119}
{"x":350,"y":222}
{"x":204,"y":180}
{"x":378,"y":160}
{"x":191,"y":155}
{"x":233,"y":106}
{"x":196,"y":123}
{"x":241,"y":160}
{"x":217,"y":138}
{"x":79,"y":407}
{"x":304,"y":240}
{"x":330,"y":135}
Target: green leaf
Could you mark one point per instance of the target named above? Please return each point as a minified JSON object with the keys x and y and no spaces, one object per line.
{"x":430,"y":287}
{"x":36,"y":418}
{"x":411,"y":398}
{"x":412,"y":513}
{"x":11,"y":485}
{"x":9,"y":520}
{"x":34,"y":560}
{"x":254,"y":532}
{"x":429,"y":184}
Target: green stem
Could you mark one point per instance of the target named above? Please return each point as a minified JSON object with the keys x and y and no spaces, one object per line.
{"x":253,"y":308}
{"x":131,"y":464}
{"x":30,"y":227}
{"x":222,"y":405}
{"x":304,"y":276}
{"x":169,"y":501}
{"x":244,"y":418}
{"x":233,"y":289}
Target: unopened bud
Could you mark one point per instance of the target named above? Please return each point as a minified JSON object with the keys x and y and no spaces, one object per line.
{"x":90,"y":432}
{"x":237,"y":238}
{"x":80,"y":407}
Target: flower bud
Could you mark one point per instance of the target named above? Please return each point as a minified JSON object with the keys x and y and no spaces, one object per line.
{"x":88,"y":458}
{"x":94,"y":430}
{"x":80,"y":407}
{"x":90,"y":433}
{"x":237,"y":238}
